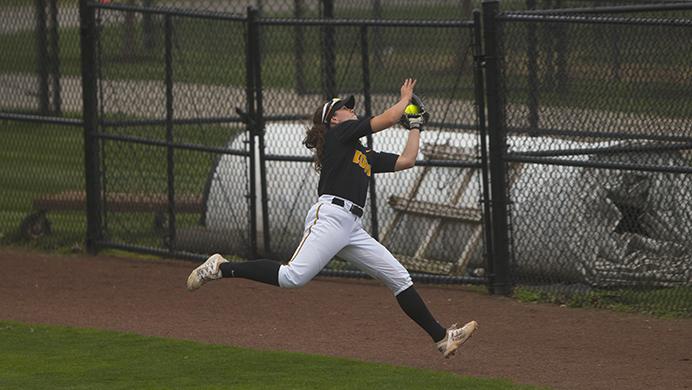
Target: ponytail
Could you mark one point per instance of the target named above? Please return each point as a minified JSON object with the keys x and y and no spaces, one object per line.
{"x":314,"y":138}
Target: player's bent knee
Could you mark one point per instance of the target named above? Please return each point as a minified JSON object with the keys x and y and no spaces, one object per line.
{"x":288,"y":278}
{"x":400,"y":284}
{"x":292,"y":284}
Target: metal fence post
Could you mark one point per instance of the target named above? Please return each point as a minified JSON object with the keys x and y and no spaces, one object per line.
{"x":532,"y":54}
{"x":250,"y":125}
{"x":92,"y":175}
{"x":42,"y":56}
{"x":377,"y":35}
{"x":259,"y":129}
{"x":500,"y":278}
{"x":367,"y":102}
{"x":478,"y":64}
{"x":54,"y":57}
{"x":170,"y":157}
{"x":148,"y":33}
{"x":615,"y":50}
{"x":328,"y":51}
{"x":548,"y":32}
{"x":299,"y":47}
{"x":561,"y":54}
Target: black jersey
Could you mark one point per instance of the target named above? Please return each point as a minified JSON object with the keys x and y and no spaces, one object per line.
{"x":347,"y":165}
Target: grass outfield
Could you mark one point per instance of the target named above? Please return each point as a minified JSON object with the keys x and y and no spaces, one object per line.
{"x":41,"y":357}
{"x":671,"y":302}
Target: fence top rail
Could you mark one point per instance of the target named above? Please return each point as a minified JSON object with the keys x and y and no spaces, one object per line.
{"x":49,"y":120}
{"x":365,"y":22}
{"x":175,"y":145}
{"x":218,"y":15}
{"x":612,"y":135}
{"x":609,"y":150}
{"x":171,"y":11}
{"x":519,"y":157}
{"x":611,"y":9}
{"x":583,"y":19}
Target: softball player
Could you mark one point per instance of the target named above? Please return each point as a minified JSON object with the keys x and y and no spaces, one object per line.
{"x":333,"y":225}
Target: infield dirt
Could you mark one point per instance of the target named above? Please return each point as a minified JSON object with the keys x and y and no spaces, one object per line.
{"x":538,"y":344}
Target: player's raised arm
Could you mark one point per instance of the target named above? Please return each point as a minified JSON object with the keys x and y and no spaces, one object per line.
{"x":413,"y":119}
{"x":407,"y":158}
{"x":392,"y":115}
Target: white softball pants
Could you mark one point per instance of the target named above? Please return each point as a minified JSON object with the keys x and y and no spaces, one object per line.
{"x":332,"y":230}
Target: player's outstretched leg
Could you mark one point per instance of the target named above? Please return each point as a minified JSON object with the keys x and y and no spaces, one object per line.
{"x":216,"y":267}
{"x":209,"y":270}
{"x":455,"y":337}
{"x":447,"y":340}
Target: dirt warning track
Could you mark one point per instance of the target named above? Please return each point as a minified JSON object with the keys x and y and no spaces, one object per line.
{"x":536,"y":344}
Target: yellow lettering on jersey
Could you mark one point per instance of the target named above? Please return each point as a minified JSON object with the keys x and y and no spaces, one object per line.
{"x":362,"y":161}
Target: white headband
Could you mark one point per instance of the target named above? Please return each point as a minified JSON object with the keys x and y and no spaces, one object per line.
{"x":327,"y":108}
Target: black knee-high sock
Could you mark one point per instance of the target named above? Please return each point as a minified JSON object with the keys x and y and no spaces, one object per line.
{"x":265,"y":271}
{"x":415,"y":308}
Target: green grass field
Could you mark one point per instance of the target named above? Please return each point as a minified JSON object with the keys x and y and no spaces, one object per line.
{"x":42,"y":357}
{"x":673,"y":302}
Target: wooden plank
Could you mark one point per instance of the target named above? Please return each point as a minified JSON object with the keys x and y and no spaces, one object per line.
{"x":448,"y":152}
{"x":434,"y":229}
{"x":435,"y":210}
{"x":61,"y":201}
{"x":463,"y":184}
{"x":432,"y":233}
{"x":424,"y":265}
{"x":469,"y":250}
{"x":398,"y":215}
{"x":446,"y":210}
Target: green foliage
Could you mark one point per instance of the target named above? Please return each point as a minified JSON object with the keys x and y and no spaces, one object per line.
{"x":661,"y":302}
{"x":40,"y":357}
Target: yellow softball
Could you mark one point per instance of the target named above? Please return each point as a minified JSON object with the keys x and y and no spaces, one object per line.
{"x":412,"y":109}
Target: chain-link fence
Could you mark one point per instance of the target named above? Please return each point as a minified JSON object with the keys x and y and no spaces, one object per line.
{"x":200,"y":67}
{"x":173,"y":148}
{"x":356,"y":9}
{"x":597,"y":116}
{"x":419,"y":214}
{"x":42,"y":158}
{"x":190,"y":134}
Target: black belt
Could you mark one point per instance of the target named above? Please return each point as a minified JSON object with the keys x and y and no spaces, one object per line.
{"x":355,"y":209}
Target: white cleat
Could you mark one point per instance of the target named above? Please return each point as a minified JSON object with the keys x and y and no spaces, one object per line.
{"x":209,"y":270}
{"x":455,"y":337}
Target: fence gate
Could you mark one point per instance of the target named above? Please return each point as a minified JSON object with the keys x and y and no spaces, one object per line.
{"x":165,"y":131}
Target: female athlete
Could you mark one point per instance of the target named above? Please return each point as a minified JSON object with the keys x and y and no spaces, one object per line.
{"x":333,"y":225}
